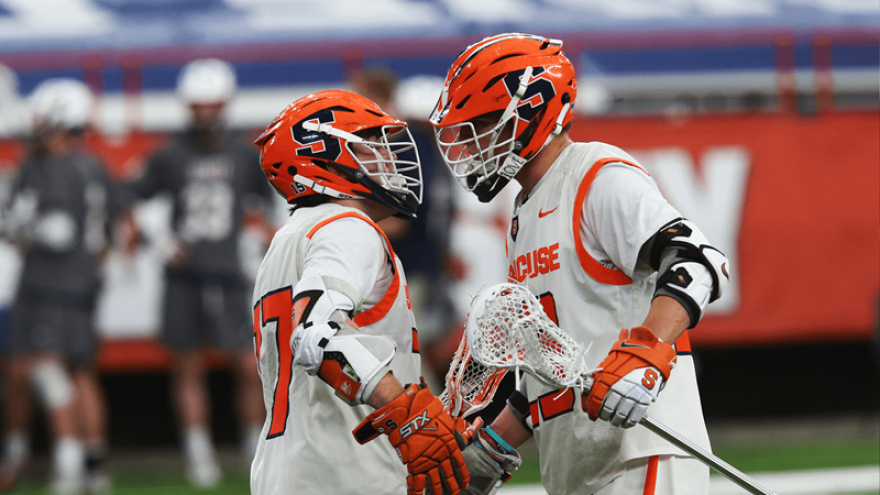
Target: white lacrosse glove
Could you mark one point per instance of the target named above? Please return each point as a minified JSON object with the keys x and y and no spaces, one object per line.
{"x":632,"y":376}
{"x":628,"y":400}
{"x":307,"y":347}
{"x":490,"y":461}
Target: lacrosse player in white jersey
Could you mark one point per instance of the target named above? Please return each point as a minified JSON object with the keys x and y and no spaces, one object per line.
{"x":331,"y":300}
{"x":593,"y":238}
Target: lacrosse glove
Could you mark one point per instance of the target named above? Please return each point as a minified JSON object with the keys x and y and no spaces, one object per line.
{"x":490,"y":461}
{"x":630,"y":378}
{"x":425,"y":439}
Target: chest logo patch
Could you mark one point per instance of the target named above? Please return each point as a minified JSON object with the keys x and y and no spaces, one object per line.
{"x":514,"y":228}
{"x":542,"y":213}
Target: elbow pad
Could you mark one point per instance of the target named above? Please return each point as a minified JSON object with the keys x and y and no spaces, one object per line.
{"x":354,"y":363}
{"x":351,"y":362}
{"x":691,"y":271}
{"x":325,"y":344}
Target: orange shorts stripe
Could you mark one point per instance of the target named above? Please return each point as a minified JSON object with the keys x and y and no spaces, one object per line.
{"x":651,"y":476}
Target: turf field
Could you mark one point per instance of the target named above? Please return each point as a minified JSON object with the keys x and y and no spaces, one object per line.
{"x":159,"y":472}
{"x":813,"y":454}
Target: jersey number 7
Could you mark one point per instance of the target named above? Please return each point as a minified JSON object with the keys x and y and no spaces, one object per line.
{"x":277,"y":307}
{"x":280,"y":307}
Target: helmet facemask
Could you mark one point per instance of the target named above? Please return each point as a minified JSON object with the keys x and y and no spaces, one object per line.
{"x":529,"y":82}
{"x":488,"y":170}
{"x":391,"y":161}
{"x":474,"y":165}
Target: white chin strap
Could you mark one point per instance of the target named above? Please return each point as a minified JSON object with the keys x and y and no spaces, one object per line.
{"x":512,"y":163}
{"x":557,"y":129}
{"x":322,"y":189}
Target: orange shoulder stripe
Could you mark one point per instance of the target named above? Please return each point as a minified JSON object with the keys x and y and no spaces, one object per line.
{"x":377,"y":312}
{"x":594,"y":269}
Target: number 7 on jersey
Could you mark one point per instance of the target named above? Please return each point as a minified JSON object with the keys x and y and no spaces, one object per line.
{"x":277,"y":307}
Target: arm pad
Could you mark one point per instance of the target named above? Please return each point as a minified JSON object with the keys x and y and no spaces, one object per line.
{"x":691,"y":271}
{"x":324,"y":343}
{"x":354,"y":363}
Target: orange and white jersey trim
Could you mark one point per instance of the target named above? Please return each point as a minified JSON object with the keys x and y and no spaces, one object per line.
{"x":575,"y":243}
{"x":308,"y":446}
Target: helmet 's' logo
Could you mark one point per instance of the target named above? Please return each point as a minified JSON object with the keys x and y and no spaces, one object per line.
{"x":539,"y":92}
{"x":317,"y":144}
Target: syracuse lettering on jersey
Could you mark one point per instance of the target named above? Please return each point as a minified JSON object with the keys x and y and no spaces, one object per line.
{"x":540,"y":261}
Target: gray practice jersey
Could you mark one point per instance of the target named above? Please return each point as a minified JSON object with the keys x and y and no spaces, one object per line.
{"x":209,"y":190}
{"x":59,"y":208}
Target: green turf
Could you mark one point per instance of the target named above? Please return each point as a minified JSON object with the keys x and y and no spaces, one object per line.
{"x":807,"y":455}
{"x":749,"y":459}
{"x":153,"y":483}
{"x":767,"y":458}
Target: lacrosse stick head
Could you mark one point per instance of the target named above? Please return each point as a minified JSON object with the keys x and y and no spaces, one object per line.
{"x":470,"y":386}
{"x":508,"y":329}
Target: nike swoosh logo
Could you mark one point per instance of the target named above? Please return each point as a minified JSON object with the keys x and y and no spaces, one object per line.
{"x":542,"y":213}
{"x":633,"y":346}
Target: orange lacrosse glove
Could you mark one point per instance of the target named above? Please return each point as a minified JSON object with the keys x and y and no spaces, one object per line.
{"x":467,"y":430}
{"x":425,"y":438}
{"x":630,"y":378}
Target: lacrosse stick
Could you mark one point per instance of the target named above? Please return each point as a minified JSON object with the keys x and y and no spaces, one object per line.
{"x":508,"y":329}
{"x":470,"y":386}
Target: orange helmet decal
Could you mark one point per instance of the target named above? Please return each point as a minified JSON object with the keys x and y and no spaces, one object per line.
{"x":310,"y":149}
{"x":528,"y":81}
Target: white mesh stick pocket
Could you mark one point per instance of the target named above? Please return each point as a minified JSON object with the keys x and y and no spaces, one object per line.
{"x":508,"y":329}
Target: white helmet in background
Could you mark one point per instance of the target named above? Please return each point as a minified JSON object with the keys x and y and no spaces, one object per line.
{"x":8,"y":87}
{"x":64,"y":103}
{"x":13,"y":113}
{"x":206,"y":81}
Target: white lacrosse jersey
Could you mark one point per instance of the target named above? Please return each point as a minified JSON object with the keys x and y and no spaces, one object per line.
{"x":306,"y":446}
{"x":574,"y":242}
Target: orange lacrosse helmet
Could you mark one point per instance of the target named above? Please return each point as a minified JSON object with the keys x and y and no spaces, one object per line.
{"x":527,"y":81}
{"x":307,"y":150}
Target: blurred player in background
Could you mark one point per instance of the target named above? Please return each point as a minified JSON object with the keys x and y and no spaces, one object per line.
{"x":12,"y":125}
{"x":60,"y":204}
{"x":331,"y":298}
{"x":211,"y":177}
{"x":594,"y":239}
{"x":421,"y":243}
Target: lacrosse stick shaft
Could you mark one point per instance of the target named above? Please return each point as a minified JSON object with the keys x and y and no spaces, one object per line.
{"x":732,"y":473}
